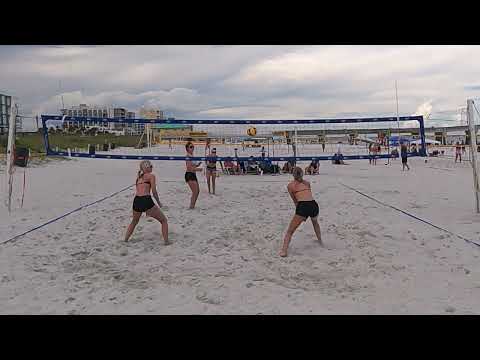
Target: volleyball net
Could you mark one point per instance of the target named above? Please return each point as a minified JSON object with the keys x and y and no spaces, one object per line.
{"x":258,"y":140}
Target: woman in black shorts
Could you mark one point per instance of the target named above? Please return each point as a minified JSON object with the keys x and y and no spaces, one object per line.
{"x":306,"y":207}
{"x":143,"y":202}
{"x":404,"y":155}
{"x":191,"y":176}
{"x":212,"y":170}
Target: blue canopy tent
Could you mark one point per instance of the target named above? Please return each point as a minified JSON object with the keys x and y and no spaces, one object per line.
{"x":393,"y":140}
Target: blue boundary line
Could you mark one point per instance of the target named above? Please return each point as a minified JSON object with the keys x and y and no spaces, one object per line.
{"x":65,"y":215}
{"x":408,"y":214}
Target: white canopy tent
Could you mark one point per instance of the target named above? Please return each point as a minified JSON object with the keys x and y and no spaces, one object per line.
{"x":427,"y":141}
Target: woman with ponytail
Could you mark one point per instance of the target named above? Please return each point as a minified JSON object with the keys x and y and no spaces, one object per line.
{"x":143,"y":202}
{"x":190,"y":174}
{"x":306,"y":207}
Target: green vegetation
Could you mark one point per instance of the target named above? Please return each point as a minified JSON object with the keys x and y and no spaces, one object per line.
{"x":34,"y":141}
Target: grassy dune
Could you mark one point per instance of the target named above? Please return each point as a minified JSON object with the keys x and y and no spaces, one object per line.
{"x":35,"y":141}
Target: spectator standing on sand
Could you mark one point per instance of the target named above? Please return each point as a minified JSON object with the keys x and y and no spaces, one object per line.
{"x":370,"y":158}
{"x":458,"y":152}
{"x":404,"y":155}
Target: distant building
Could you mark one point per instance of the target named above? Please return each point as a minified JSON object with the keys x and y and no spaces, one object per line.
{"x":5,"y":102}
{"x":168,"y":131}
{"x":93,"y":111}
{"x":122,"y":114}
{"x":134,"y":129}
{"x":154,"y":114}
{"x":149,"y":113}
{"x":83,"y":110}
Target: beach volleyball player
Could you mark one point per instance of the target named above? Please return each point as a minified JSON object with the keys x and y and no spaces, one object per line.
{"x":143,"y":202}
{"x":306,"y":207}
{"x":190,"y":174}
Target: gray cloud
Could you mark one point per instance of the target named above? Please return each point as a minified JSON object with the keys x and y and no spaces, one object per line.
{"x":472,"y":87}
{"x":244,"y":81}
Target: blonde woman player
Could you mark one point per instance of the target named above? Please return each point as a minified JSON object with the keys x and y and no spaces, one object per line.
{"x":306,"y":207}
{"x":143,"y":202}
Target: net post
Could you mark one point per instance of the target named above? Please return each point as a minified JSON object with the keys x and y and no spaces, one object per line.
{"x":423,"y":150}
{"x":294,"y":145}
{"x":10,"y":153}
{"x":398,"y":118}
{"x":45,"y":136}
{"x":473,"y":145}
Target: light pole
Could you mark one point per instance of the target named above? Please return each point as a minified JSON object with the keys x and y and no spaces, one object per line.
{"x":473,"y":148}
{"x":10,"y":152}
{"x":398,"y":118}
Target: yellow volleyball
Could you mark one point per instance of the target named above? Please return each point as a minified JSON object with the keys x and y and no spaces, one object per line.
{"x":252,"y":131}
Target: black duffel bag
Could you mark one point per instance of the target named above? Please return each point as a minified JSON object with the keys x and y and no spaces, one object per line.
{"x":21,"y":156}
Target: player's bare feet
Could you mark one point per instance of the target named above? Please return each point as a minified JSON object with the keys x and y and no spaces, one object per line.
{"x":283,"y":253}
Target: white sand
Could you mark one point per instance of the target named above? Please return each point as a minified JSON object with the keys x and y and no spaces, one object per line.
{"x":224,"y":260}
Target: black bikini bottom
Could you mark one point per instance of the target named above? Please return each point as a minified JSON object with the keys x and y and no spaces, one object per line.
{"x":190,"y":176}
{"x":143,"y":203}
{"x":307,"y":209}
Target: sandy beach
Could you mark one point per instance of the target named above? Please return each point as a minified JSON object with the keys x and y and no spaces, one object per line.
{"x":224,"y":254}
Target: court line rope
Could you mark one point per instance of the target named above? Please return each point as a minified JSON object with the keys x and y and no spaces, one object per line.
{"x":437,"y":168}
{"x":65,"y":215}
{"x":411,"y":215}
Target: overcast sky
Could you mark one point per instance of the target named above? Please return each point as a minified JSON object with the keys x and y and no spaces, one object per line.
{"x":245,"y":81}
